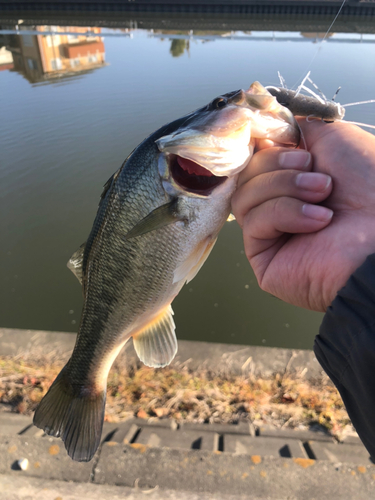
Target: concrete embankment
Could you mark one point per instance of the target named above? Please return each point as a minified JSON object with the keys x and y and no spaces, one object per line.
{"x":165,"y":459}
{"x":215,"y":357}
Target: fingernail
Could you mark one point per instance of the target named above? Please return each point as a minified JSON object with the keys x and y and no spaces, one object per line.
{"x":313,"y":181}
{"x":298,"y":158}
{"x":317,"y":212}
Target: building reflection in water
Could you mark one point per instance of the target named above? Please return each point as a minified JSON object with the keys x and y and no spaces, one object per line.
{"x":64,"y":53}
{"x":6,"y":59}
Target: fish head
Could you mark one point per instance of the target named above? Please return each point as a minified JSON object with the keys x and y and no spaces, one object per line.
{"x":217,"y":141}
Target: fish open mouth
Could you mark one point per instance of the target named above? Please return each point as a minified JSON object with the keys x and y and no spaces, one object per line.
{"x":193,"y":177}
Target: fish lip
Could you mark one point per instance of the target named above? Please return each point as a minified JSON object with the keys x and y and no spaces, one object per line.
{"x":191,"y":183}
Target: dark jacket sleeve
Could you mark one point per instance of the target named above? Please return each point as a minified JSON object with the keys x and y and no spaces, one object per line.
{"x":345,"y":347}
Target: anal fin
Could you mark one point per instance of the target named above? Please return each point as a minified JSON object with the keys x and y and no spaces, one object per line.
{"x":156,"y":344}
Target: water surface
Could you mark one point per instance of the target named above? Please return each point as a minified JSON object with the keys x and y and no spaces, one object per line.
{"x":74,"y":108}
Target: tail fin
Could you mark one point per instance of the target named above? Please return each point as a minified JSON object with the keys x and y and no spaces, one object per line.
{"x":75,"y":413}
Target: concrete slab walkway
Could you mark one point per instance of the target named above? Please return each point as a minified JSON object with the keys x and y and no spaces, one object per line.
{"x":191,"y":461}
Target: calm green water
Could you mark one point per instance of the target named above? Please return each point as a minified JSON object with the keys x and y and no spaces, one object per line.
{"x":66,"y":127}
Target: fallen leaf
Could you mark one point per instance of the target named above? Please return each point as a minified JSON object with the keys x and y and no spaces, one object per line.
{"x":142,"y":414}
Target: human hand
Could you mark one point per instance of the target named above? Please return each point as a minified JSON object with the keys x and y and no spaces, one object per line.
{"x":308,"y":218}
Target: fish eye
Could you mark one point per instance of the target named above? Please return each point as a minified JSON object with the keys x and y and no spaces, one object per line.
{"x":219,"y":102}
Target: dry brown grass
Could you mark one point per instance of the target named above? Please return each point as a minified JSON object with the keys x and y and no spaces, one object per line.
{"x":283,"y":400}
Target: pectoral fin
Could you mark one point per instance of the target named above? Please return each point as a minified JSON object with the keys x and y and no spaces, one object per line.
{"x":156,"y":344}
{"x":158,"y":218}
{"x":191,"y":266}
{"x":76,"y":261}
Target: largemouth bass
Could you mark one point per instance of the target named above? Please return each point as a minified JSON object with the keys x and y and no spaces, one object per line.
{"x":157,"y":221}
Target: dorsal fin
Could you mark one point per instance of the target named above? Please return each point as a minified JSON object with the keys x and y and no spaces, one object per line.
{"x":108,"y":184}
{"x":156,"y":344}
{"x":76,"y":261}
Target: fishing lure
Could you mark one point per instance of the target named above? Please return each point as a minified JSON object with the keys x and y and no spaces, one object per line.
{"x":313,"y":105}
